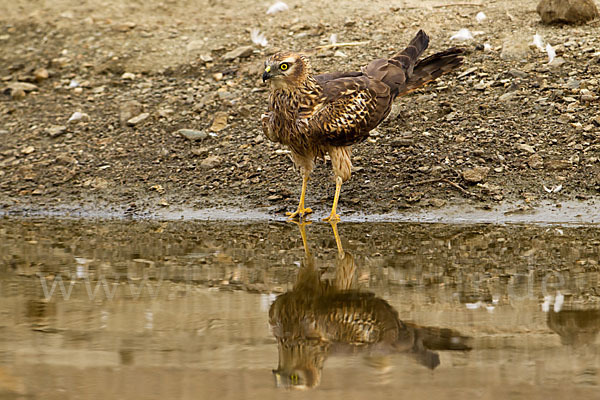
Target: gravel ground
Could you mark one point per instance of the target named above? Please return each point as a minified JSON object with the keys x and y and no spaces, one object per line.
{"x":95,"y":96}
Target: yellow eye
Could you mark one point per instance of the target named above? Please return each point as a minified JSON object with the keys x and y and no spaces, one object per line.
{"x":283,"y":67}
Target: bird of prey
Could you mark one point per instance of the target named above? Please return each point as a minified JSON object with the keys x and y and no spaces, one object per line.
{"x":315,"y":115}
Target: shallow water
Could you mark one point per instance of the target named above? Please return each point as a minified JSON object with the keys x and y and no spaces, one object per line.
{"x":176,"y":310}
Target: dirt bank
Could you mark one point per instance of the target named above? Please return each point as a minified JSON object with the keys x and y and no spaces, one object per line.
{"x":532,"y":127}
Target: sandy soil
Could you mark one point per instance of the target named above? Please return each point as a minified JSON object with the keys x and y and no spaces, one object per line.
{"x":532,"y":127}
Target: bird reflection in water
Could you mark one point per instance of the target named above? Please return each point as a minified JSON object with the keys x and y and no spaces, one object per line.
{"x":318,"y":318}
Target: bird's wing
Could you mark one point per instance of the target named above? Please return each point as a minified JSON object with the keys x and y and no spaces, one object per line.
{"x":348,"y":109}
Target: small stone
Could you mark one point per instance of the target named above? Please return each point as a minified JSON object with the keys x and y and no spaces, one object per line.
{"x":210,"y":162}
{"x":217,"y":76}
{"x":138,"y":119}
{"x":206,"y":58}
{"x":557,"y":62}
{"x":567,"y":11}
{"x":274,"y":197}
{"x":220,"y":121}
{"x":24,"y":86}
{"x":129,"y":110}
{"x":55,"y":131}
{"x":535,"y":161}
{"x":475,"y":175}
{"x":573,"y":83}
{"x":526,"y":147}
{"x":240,"y":52}
{"x":28,"y":150}
{"x":192,"y":134}
{"x":437,"y":203}
{"x":128,"y":76}
{"x":195,"y":45}
{"x":517,"y":74}
{"x":17,"y":94}
{"x":508,"y":96}
{"x":587,"y":98}
{"x":40,"y":74}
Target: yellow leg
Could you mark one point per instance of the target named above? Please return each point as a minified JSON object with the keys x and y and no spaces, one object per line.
{"x":338,"y":187}
{"x":301,"y":211}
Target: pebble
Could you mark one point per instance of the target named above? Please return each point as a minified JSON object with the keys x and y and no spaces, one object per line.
{"x":211,"y":162}
{"x":240,"y":52}
{"x":28,"y":150}
{"x":570,"y":11}
{"x":17,"y":94}
{"x":128,"y":76}
{"x":55,"y":131}
{"x":526,"y":147}
{"x":137,"y":119}
{"x":475,"y":175}
{"x":128,"y":110}
{"x":220,"y":121}
{"x":192,"y":134}
{"x":40,"y":74}
{"x":535,"y":161}
{"x":508,"y":96}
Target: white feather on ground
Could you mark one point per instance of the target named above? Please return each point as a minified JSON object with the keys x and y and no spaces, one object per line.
{"x":258,"y":38}
{"x":538,"y":42}
{"x":277,"y":7}
{"x":551,"y":53}
{"x":463,"y":34}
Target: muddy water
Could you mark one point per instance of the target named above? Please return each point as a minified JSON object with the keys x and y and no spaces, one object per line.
{"x":180,"y":310}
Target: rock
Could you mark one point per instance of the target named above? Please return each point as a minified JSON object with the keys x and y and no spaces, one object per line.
{"x":24,"y":86}
{"x":78,"y":117}
{"x":128,"y":76}
{"x":557,"y":62}
{"x":567,"y":11}
{"x":573,"y":83}
{"x":515,"y":48}
{"x":17,"y":94}
{"x":192,"y":134}
{"x":475,"y":175}
{"x":526,"y":147}
{"x":40,"y":74}
{"x":535,"y":161}
{"x":129,"y":110}
{"x":137,"y":119}
{"x":517,"y":73}
{"x":210,"y":162}
{"x":437,"y":203}
{"x":557,"y":165}
{"x":240,"y":52}
{"x":195,"y":45}
{"x":28,"y":150}
{"x":220,"y":121}
{"x":508,"y":96}
{"x":55,"y":131}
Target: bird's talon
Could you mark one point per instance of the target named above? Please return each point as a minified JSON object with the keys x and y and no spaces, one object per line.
{"x":301,"y":212}
{"x":332,"y":218}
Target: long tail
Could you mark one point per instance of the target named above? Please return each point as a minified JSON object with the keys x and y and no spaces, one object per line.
{"x":396,"y":71}
{"x":432,"y":67}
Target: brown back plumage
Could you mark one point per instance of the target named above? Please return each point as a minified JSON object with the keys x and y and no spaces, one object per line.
{"x":341,"y":108}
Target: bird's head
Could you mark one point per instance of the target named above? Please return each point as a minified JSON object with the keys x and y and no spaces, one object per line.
{"x":286,"y":70}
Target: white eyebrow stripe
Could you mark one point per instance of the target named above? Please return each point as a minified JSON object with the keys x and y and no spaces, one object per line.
{"x":289,"y":60}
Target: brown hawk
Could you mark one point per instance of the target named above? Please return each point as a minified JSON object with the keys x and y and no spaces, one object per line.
{"x":323,"y":114}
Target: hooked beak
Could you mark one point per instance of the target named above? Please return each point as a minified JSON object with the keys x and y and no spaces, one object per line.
{"x":267,"y":74}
